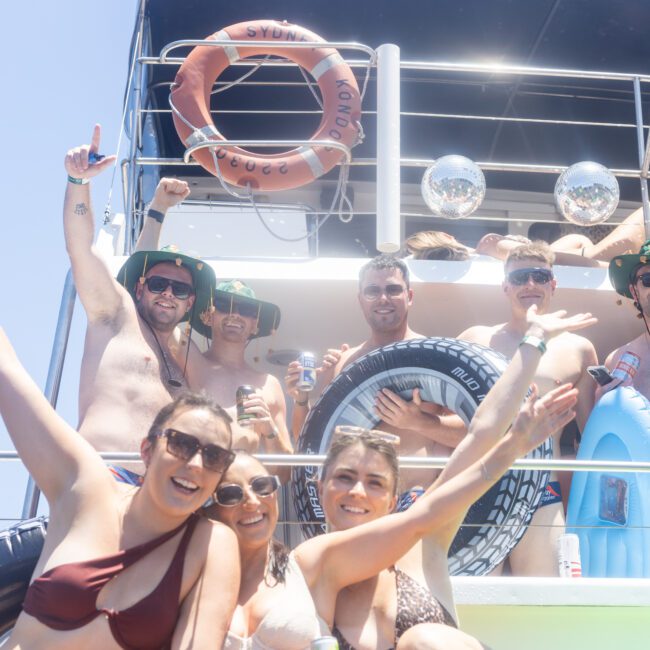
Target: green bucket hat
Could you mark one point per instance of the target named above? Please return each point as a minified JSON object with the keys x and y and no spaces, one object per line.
{"x":622,"y":266}
{"x":227,"y":293}
{"x":139,"y":263}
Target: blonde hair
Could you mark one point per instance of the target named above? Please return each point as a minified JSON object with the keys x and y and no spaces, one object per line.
{"x":435,"y":245}
{"x":538,"y":251}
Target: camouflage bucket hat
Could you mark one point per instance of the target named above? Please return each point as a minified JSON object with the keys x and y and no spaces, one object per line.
{"x":622,"y":267}
{"x":203,"y":278}
{"x":235,"y":292}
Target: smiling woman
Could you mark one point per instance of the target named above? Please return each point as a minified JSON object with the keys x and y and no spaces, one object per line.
{"x":124,"y":564}
{"x":335,"y":579}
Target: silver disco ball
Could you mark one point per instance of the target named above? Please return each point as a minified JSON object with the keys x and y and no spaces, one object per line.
{"x":586,"y":193}
{"x":453,"y":187}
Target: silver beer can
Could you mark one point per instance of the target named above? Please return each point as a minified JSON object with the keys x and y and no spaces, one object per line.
{"x":324,"y":643}
{"x":307,"y":379}
{"x":568,"y":556}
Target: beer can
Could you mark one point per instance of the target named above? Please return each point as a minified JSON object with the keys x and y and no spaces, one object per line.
{"x":568,"y":555}
{"x":307,"y":379}
{"x":242,"y":394}
{"x":324,"y":643}
{"x":627,"y":366}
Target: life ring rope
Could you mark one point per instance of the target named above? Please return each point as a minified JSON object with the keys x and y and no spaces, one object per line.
{"x":340,"y":122}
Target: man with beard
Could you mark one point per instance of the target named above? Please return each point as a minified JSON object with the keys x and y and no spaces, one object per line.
{"x":630,"y":276}
{"x":424,"y":428}
{"x":133,"y":361}
{"x":529,"y":281}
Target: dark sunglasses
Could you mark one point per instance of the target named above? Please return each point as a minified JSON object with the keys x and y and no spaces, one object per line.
{"x":644,"y":278}
{"x":185,"y":446}
{"x":158,"y":284}
{"x":232,"y":305}
{"x":519,"y":277}
{"x":233,"y":494}
{"x":374,"y":291}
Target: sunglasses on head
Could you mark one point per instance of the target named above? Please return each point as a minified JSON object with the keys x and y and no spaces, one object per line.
{"x":348,"y":430}
{"x":233,"y":494}
{"x":644,"y":279}
{"x":233,"y":305}
{"x":158,"y":284}
{"x":185,"y":446}
{"x":374,"y":291}
{"x":519,"y":277}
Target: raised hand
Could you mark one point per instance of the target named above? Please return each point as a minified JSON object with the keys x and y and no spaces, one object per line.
{"x":549,"y":325}
{"x":170,"y":192}
{"x":263,"y":422}
{"x":291,"y":380}
{"x":77,"y":163}
{"x":540,"y":418}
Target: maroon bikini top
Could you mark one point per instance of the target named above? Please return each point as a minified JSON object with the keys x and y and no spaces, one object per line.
{"x":65,"y":597}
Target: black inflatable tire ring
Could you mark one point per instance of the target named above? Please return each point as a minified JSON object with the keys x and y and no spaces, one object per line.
{"x":457,"y":375}
{"x":20,"y":548}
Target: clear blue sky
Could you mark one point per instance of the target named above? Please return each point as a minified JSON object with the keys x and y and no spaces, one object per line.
{"x":65,"y":68}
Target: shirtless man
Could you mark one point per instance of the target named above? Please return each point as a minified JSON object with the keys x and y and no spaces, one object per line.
{"x":529,"y":281}
{"x":424,"y":428}
{"x":239,"y":317}
{"x":630,"y":275}
{"x":234,"y":319}
{"x":128,"y":370}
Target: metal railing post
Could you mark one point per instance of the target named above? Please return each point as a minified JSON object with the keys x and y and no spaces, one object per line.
{"x":53,"y":382}
{"x":640,"y":139}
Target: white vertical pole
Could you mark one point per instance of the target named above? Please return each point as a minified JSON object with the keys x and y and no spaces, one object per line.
{"x":388,"y":149}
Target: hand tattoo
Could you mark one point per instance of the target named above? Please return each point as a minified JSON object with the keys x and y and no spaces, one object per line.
{"x":80,"y":208}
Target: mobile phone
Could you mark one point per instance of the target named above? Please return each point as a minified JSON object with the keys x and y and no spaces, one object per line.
{"x":600,"y":375}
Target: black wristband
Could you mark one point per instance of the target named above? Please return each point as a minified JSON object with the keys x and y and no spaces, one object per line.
{"x":156,"y":214}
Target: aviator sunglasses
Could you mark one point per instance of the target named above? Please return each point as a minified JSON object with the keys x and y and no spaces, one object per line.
{"x":233,"y":494}
{"x":158,"y":284}
{"x":644,"y":279}
{"x":374,"y":291}
{"x":231,"y":306}
{"x":519,"y":277}
{"x":185,"y":446}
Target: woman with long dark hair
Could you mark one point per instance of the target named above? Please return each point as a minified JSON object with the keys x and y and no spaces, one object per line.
{"x":124,"y":566}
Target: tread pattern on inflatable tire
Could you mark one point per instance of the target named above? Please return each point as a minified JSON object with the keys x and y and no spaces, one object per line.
{"x":450,"y":372}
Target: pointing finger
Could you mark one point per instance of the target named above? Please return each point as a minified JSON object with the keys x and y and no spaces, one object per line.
{"x":97,"y":134}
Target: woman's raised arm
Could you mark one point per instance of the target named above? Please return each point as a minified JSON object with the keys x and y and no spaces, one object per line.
{"x":333,"y":561}
{"x":51,"y":449}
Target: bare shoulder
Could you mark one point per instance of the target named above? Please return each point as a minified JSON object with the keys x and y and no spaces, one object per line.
{"x":350,"y":355}
{"x":573,"y":341}
{"x":210,"y":535}
{"x":479,"y":334}
{"x":272,"y":389}
{"x":637,"y":346}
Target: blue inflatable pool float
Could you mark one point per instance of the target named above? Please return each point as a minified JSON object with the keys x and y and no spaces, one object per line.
{"x":610,"y":511}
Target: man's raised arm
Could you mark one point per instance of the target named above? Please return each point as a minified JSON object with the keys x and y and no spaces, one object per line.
{"x":97,"y":289}
{"x":169,"y":192}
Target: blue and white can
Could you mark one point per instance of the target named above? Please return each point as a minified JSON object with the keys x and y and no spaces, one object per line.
{"x":307,"y":379}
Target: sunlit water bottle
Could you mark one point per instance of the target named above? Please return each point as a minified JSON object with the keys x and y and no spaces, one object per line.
{"x":627,"y":366}
{"x":568,"y":556}
{"x":324,"y":643}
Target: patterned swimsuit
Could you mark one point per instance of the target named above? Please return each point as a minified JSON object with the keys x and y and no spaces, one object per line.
{"x":415,"y":604}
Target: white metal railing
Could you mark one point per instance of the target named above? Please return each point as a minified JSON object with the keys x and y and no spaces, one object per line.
{"x":412,"y":462}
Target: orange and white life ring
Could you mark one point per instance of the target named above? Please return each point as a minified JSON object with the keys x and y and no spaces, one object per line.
{"x":338,"y":87}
